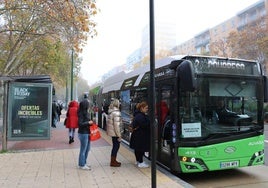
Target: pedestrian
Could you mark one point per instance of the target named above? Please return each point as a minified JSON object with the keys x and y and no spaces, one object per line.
{"x":54,"y":117}
{"x":140,"y":137}
{"x":72,"y":119}
{"x":114,"y":123}
{"x":59,"y":109}
{"x":105,"y":108}
{"x":84,"y":133}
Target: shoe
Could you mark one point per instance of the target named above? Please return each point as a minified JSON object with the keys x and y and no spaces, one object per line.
{"x":88,"y":166}
{"x":146,"y":154}
{"x":114,"y":163}
{"x":143,"y":165}
{"x":85,"y":167}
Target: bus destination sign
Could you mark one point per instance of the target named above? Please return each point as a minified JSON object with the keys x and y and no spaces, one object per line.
{"x":224,"y":66}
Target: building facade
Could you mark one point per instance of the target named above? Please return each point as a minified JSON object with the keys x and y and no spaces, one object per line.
{"x":200,"y":44}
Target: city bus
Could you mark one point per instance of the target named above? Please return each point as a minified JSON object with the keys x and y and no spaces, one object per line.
{"x":208,"y":110}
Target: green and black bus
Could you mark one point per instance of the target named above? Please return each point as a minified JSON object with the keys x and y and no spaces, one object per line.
{"x":209,"y":110}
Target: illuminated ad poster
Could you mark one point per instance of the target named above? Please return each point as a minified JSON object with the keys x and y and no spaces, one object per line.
{"x":29,"y":111}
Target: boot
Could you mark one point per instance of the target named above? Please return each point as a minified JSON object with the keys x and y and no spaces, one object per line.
{"x":117,"y":162}
{"x":114,"y":163}
{"x":70,"y":139}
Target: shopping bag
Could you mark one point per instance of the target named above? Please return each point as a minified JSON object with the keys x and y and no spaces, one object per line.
{"x":94,"y":132}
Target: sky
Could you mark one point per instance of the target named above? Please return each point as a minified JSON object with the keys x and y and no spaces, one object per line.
{"x":120,"y":24}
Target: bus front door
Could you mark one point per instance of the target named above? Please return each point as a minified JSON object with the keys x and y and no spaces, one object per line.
{"x":163,"y":115}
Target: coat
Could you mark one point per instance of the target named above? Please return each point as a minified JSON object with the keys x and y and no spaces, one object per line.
{"x":83,"y":117}
{"x":140,"y":138}
{"x":114,"y":122}
{"x":72,"y":117}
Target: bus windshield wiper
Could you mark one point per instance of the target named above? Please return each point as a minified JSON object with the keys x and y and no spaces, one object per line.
{"x":216,"y":135}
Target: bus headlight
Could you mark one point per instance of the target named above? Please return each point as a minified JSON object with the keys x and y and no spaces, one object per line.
{"x":193,"y":160}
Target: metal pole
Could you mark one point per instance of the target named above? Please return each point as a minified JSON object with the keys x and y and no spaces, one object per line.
{"x":152,"y":96}
{"x":72,"y":74}
{"x":5,"y":101}
{"x":67,"y":92}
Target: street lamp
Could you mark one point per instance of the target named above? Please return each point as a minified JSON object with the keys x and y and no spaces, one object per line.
{"x":72,"y":74}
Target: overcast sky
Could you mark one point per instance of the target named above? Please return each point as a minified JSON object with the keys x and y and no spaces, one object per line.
{"x":120,"y":24}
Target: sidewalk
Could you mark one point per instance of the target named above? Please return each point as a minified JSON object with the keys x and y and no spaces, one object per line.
{"x":52,"y":165}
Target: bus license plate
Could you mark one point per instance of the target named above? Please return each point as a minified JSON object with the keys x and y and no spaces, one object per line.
{"x":229,"y":164}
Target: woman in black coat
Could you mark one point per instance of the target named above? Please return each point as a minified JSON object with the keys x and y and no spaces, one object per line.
{"x":140,"y":138}
{"x":83,"y":133}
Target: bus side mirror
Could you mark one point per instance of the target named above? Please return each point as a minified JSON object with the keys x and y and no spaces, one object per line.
{"x":185,"y":73}
{"x":265,"y":89}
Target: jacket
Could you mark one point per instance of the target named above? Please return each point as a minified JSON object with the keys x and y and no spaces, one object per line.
{"x":114,"y":122}
{"x":140,"y":138}
{"x":83,"y":117}
{"x":72,"y":117}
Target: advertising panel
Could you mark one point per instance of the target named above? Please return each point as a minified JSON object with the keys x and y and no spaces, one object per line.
{"x":29,"y":111}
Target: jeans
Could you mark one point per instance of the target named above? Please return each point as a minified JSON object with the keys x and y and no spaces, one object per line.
{"x":116,"y":146}
{"x":84,"y":149}
{"x":71,"y":132}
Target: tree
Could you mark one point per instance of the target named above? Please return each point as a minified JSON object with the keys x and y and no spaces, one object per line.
{"x":37,"y":36}
{"x":249,"y":43}
{"x":219,"y":48}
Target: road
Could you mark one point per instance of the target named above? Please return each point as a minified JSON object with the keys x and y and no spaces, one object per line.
{"x":247,"y":177}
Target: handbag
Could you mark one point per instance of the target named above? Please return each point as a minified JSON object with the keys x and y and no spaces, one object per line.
{"x":65,"y":121}
{"x":94,"y":132}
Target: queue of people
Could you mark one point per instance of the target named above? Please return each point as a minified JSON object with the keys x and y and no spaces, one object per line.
{"x":140,"y":138}
{"x":78,"y":116}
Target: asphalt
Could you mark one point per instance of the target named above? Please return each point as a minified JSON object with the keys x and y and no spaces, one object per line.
{"x":53,"y":163}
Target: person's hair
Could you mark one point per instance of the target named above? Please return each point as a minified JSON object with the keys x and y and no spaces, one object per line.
{"x":141,"y":105}
{"x":83,"y":107}
{"x":85,"y":96}
{"x":115,"y":103}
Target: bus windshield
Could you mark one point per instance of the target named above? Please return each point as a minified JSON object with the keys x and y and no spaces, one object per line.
{"x":221,"y":106}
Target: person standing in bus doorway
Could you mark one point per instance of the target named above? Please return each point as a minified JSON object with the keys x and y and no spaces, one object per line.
{"x":114,"y":123}
{"x":140,"y":137}
{"x":72,"y":119}
{"x":83,"y":133}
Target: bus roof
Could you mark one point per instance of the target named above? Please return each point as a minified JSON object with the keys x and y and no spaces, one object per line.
{"x":115,"y":82}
